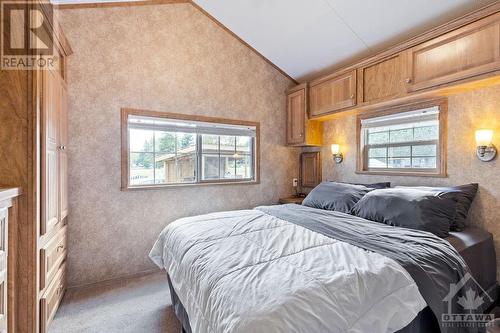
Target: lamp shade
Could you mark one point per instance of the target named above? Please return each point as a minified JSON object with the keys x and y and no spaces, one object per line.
{"x":484,"y":137}
{"x":335,"y":149}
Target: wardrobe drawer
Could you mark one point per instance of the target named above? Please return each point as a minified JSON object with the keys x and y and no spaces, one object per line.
{"x":50,"y":300}
{"x":51,"y":257}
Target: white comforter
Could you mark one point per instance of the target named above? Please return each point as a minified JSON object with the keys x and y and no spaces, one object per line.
{"x":246,"y":271}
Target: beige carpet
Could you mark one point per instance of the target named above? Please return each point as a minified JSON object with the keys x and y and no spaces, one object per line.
{"x":135,"y":305}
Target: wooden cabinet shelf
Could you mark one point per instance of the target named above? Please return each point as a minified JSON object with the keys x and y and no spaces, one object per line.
{"x":332,"y":93}
{"x":300,"y":131}
{"x":469,"y":51}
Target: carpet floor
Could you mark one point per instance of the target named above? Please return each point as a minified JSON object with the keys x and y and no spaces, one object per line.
{"x":140,"y":304}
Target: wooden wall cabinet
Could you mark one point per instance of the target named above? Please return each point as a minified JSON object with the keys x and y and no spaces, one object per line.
{"x":381,"y":80}
{"x":310,"y":169}
{"x":332,"y":93}
{"x":300,"y":131}
{"x":463,"y":53}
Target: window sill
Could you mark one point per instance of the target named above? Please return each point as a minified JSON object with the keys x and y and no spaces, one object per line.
{"x":159,"y":186}
{"x":402,"y":173}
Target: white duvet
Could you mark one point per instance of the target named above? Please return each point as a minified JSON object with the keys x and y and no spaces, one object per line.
{"x":246,"y":271}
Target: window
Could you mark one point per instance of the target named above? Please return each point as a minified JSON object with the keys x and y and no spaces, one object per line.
{"x":171,"y":149}
{"x":405,"y":140}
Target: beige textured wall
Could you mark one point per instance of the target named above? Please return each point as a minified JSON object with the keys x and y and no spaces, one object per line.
{"x":167,"y":58}
{"x":466,"y":113}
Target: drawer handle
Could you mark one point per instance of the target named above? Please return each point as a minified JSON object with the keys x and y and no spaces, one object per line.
{"x":408,"y":80}
{"x":352,"y":96}
{"x":60,"y":248}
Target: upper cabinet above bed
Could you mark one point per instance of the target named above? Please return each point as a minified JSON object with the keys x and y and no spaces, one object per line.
{"x":459,"y":55}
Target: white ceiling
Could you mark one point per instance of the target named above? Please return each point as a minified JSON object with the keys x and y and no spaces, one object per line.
{"x":304,"y":37}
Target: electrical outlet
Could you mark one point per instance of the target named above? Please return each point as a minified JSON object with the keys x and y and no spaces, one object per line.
{"x":295,"y":182}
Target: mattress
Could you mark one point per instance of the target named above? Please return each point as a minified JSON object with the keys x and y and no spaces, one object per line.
{"x":474,"y":245}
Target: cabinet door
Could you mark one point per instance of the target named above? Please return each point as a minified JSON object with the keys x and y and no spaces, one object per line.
{"x":50,"y":104}
{"x":332,"y":93}
{"x":310,"y":169}
{"x":382,"y":80}
{"x":296,"y":117}
{"x":460,"y":54}
{"x":63,"y":155}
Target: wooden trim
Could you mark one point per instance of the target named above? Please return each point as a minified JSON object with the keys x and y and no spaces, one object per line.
{"x":442,"y":103}
{"x":125,"y":112}
{"x":117,"y":4}
{"x":242,"y":41}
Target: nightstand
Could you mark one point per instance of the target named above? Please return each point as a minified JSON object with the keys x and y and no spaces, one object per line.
{"x":292,"y":200}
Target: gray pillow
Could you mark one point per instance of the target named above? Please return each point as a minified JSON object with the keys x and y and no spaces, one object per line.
{"x":463,"y":195}
{"x":409,"y":208}
{"x":335,"y":196}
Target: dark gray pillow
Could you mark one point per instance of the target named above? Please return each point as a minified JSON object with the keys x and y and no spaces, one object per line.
{"x":335,"y":196}
{"x":375,"y":185}
{"x":463,"y":195}
{"x":409,"y":208}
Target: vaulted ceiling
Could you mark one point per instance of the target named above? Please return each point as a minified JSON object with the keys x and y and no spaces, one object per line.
{"x":304,"y":37}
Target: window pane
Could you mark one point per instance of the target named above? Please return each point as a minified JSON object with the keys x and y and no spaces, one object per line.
{"x":210,"y":167}
{"x":378,"y":138}
{"x":227,"y":167}
{"x":186,"y":167}
{"x":424,"y":162}
{"x":186,"y":142}
{"x":141,"y":168}
{"x":164,"y":142}
{"x":427,"y":150}
{"x":399,"y":151}
{"x":141,"y":140}
{"x":243,"y":144}
{"x":227,"y":143}
{"x":377,"y":152}
{"x":244,"y":167}
{"x":160,"y":167}
{"x":426,"y":133}
{"x":402,"y":135}
{"x":399,"y":163}
{"x":377,"y":163}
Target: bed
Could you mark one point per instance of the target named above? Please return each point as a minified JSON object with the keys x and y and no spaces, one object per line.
{"x":292,"y":268}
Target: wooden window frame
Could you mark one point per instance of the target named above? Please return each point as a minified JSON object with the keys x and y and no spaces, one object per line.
{"x":442,"y":104}
{"x":126,"y":112}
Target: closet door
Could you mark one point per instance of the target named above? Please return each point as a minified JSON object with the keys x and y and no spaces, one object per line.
{"x":63,"y":155}
{"x":50,"y":107}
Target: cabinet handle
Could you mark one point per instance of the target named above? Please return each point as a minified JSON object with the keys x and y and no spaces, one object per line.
{"x":62,"y":147}
{"x":408,"y":80}
{"x":352,"y":96}
{"x":60,"y":248}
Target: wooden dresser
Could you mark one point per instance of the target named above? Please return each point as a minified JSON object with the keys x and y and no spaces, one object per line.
{"x":8,"y":227}
{"x":34,"y":154}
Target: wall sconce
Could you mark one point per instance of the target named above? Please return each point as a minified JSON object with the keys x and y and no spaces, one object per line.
{"x":486,"y":151}
{"x":337,"y":155}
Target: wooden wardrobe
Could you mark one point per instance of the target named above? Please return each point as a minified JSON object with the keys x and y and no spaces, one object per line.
{"x":34,"y":153}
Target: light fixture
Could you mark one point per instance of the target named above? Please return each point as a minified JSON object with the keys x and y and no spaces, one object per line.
{"x":485,"y":151}
{"x":337,"y":155}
